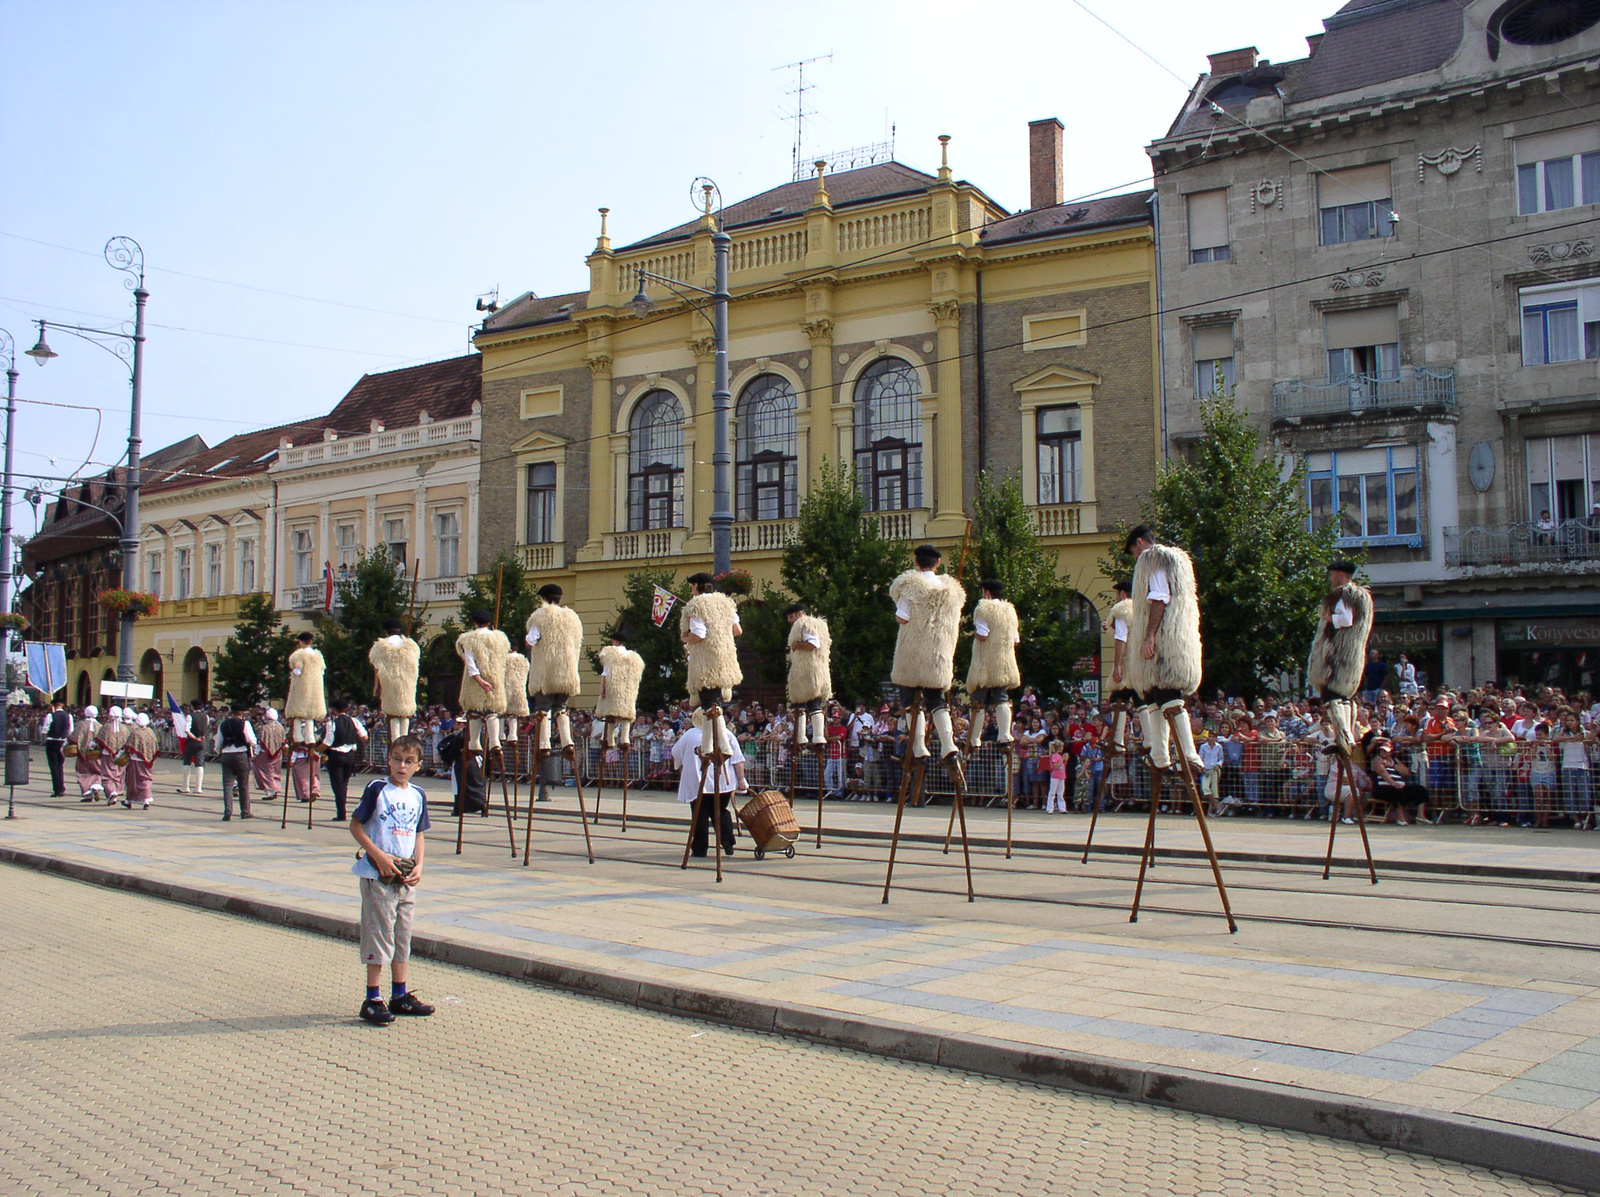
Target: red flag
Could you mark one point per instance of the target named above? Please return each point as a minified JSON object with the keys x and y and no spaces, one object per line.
{"x":661,"y":604}
{"x":327,"y":586}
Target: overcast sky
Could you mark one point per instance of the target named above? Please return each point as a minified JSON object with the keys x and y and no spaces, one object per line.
{"x":405,"y":157}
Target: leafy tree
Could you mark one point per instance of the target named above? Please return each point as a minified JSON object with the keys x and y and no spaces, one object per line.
{"x":373,"y":591}
{"x":1259,"y":571}
{"x":440,"y":668}
{"x":1005,"y":546}
{"x":766,"y":633}
{"x":840,"y":565}
{"x":517,"y":597}
{"x":665,"y":670}
{"x":253,"y":665}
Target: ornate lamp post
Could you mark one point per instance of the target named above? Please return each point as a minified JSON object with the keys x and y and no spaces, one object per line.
{"x":124,"y":254}
{"x":8,"y":350}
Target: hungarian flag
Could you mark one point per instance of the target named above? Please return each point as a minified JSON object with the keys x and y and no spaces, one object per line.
{"x":661,"y":604}
{"x":327,"y":586}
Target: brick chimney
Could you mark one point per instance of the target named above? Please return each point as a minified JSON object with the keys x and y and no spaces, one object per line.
{"x":1044,"y":163}
{"x":1313,"y":41}
{"x":1232,"y":62}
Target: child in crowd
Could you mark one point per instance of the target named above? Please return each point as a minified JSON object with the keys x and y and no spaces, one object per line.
{"x":1056,"y":763}
{"x":388,"y":824}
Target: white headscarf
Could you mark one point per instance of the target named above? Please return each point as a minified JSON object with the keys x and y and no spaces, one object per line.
{"x":115,"y":712}
{"x":142,"y":719}
{"x":91,"y":712}
{"x":272,"y":714}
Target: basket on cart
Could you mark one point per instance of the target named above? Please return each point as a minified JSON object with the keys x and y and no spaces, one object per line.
{"x":771,"y":823}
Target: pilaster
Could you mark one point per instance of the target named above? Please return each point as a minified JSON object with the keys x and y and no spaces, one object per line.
{"x":701,"y":476}
{"x":600,"y":480}
{"x":949,"y":515}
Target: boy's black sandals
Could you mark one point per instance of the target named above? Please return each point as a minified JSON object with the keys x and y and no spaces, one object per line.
{"x":410,"y":1004}
{"x":374,"y":1011}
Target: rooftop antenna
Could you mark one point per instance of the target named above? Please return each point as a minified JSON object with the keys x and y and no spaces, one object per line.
{"x":798,"y":91}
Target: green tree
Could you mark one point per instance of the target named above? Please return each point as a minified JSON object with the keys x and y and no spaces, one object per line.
{"x":1259,"y":569}
{"x":1005,"y":546}
{"x":765,"y":642}
{"x":440,"y":668}
{"x":840,"y":565}
{"x":253,"y":666}
{"x":665,"y":671}
{"x":373,"y":591}
{"x":517,"y":597}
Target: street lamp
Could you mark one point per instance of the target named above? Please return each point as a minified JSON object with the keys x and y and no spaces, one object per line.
{"x":126,"y":255}
{"x":8,"y":350}
{"x":721,"y":397}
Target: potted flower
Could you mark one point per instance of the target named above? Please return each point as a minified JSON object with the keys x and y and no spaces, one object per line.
{"x":13,"y":621}
{"x":735,"y":581}
{"x":129,"y":602}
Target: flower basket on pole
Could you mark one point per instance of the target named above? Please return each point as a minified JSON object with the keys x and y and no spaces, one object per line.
{"x":129,"y":602}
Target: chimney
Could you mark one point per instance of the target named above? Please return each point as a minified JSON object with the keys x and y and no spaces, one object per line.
{"x":1313,"y":40}
{"x":1232,"y":62}
{"x":1044,"y":163}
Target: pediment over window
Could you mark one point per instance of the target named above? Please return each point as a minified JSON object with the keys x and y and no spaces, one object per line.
{"x":536,"y":441}
{"x":1054,"y":378}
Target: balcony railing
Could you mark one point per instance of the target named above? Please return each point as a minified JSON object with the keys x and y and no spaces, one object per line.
{"x":1064,"y":519}
{"x":1550,"y":543}
{"x":443,"y":589}
{"x":308,"y":598}
{"x":644,"y":546}
{"x":392,"y":440}
{"x":1410,"y":388}
{"x":763,"y":536}
{"x":542,"y":558}
{"x":900,"y":525}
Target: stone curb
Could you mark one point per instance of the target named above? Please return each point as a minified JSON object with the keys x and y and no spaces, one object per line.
{"x":1526,"y":1151}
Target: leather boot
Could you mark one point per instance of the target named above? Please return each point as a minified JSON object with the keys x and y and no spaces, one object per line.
{"x":1185,"y":732}
{"x":1155,"y":736}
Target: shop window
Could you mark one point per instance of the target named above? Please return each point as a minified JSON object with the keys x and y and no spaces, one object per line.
{"x":1373,"y":493}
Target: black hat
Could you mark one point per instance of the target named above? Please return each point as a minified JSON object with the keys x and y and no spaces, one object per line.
{"x":305,"y":637}
{"x":994,"y":587}
{"x":1341,"y":567}
{"x":927,"y":554}
{"x":795,"y":609}
{"x":619,"y":634}
{"x":339,"y":704}
{"x":701,"y":579}
{"x":1142,"y":532}
{"x":1123,"y":584}
{"x":482,"y":618}
{"x":550,"y":592}
{"x":393,"y":626}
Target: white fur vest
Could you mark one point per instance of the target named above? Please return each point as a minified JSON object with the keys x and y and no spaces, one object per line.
{"x":714,"y":661}
{"x":1176,"y":665}
{"x":553,"y":662}
{"x":306,"y":699}
{"x":924,"y":651}
{"x":397,"y":666}
{"x":620,"y":690}
{"x":1338,"y":655}
{"x":810,"y":670}
{"x":994,"y":661}
{"x":1121,"y":609}
{"x":489,"y":648}
{"x":516,"y":684}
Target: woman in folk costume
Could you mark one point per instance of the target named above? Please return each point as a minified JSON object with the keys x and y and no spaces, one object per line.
{"x":621,"y":671}
{"x":267,"y":763}
{"x":1121,"y":698}
{"x":86,"y":751}
{"x":140,"y":749}
{"x":993,"y":673}
{"x":1339,"y":649}
{"x":307,"y":702}
{"x":810,"y":673}
{"x":396,"y":660}
{"x":483,"y":651}
{"x":1162,"y":662}
{"x":555,"y":639}
{"x":710,"y":625}
{"x":928,"y":606}
{"x":113,"y":734}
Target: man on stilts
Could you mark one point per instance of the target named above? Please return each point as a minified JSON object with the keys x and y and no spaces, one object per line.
{"x":483,"y":651}
{"x":555,"y":639}
{"x":621,"y":671}
{"x":1338,"y":658}
{"x":993,"y":673}
{"x":1121,"y":699}
{"x":396,"y":661}
{"x":710,"y":627}
{"x":810,"y":683}
{"x":306,"y":703}
{"x":928,"y":607}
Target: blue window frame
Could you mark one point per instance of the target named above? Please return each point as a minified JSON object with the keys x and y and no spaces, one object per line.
{"x":1373,"y":493}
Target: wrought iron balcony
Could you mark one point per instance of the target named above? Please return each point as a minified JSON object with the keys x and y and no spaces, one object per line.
{"x":1411,"y":388}
{"x":1565,"y":544}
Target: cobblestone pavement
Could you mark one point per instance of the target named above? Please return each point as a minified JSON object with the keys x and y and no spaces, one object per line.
{"x":152,"y":1048}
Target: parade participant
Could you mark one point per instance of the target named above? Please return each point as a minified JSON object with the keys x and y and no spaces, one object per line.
{"x":1121,"y":698}
{"x":928,"y":608}
{"x":191,"y":727}
{"x":306,"y":703}
{"x":344,"y":734}
{"x":993,"y":673}
{"x":719,"y":787}
{"x":141,"y":750}
{"x":235,"y":741}
{"x":1162,"y":662}
{"x":267,"y":764}
{"x":57,"y":731}
{"x":483,"y":651}
{"x":555,"y":638}
{"x":621,"y":671}
{"x":516,"y":696}
{"x":710,"y":624}
{"x":1338,"y":651}
{"x":306,"y":773}
{"x":810,"y":672}
{"x":111,"y":737}
{"x":396,"y":661}
{"x":86,"y":750}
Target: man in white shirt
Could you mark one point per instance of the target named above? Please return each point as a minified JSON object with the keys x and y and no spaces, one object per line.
{"x":727,"y":780}
{"x":234,"y":743}
{"x":345,"y":733}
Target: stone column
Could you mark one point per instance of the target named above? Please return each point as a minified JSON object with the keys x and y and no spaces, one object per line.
{"x":601,"y":486}
{"x":823,"y":441}
{"x":699,"y":479}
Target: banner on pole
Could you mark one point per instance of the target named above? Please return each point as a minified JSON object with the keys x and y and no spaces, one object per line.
{"x":661,"y":604}
{"x":47,"y":666}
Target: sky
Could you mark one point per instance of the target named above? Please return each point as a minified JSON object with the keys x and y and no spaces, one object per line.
{"x":323,"y":190}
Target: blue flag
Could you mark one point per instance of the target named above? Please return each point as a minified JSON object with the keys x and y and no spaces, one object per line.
{"x":47,"y":666}
{"x":172,"y":704}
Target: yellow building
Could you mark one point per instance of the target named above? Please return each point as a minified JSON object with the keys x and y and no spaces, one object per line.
{"x":893,"y":319}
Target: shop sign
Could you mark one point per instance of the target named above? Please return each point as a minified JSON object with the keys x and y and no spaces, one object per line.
{"x":1550,"y":633}
{"x":1404,"y":635}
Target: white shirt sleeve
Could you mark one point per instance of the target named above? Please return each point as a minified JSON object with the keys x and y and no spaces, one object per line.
{"x":327,"y":736}
{"x":533,"y":637}
{"x":606,"y":672}
{"x":812,"y":639}
{"x":980,"y":626}
{"x":1342,"y":617}
{"x":1160,"y":588}
{"x":902,"y":611}
{"x":472,"y":666}
{"x":737,"y":626}
{"x":697,"y":627}
{"x":1119,"y":630}
{"x":250,"y":735}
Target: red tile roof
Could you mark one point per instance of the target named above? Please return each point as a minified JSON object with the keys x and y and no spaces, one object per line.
{"x":445,"y":390}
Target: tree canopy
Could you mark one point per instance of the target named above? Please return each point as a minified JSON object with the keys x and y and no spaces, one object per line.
{"x":373,"y":591}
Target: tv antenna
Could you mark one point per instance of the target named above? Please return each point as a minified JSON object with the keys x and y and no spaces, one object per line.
{"x":798,"y":91}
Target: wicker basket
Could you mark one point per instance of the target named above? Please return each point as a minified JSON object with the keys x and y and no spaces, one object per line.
{"x":770,"y":820}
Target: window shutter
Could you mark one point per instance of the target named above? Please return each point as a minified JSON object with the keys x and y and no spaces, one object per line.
{"x":1208,"y":219}
{"x":1340,"y":187}
{"x":1362,"y":327}
{"x":1212,"y":343}
{"x":1563,"y":143}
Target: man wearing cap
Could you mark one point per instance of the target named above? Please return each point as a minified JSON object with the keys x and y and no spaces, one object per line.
{"x":307,"y":703}
{"x":993,"y":673}
{"x":483,"y":651}
{"x":1339,"y":649}
{"x":235,"y":741}
{"x":396,"y":661}
{"x":928,"y":608}
{"x":710,"y":626}
{"x":1163,"y":657}
{"x":555,"y":638}
{"x":57,"y":731}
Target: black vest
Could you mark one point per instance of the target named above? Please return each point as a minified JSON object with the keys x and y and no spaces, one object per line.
{"x":344,"y":732}
{"x":199,"y":725}
{"x":60,"y":723}
{"x":233,"y":734}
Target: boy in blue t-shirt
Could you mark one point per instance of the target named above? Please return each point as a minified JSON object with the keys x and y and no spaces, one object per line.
{"x":388,"y":824}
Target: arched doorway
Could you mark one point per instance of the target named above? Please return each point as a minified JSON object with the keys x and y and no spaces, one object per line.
{"x":196,"y":676}
{"x":152,"y":672}
{"x":84,"y":689}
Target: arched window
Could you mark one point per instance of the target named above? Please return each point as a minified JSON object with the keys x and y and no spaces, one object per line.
{"x":655,"y":463}
{"x":765,"y":457}
{"x":888,"y":419}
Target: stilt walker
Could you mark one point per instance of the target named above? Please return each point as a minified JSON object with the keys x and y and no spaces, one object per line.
{"x":1162,"y":665}
{"x":928,"y":607}
{"x":555,"y":641}
{"x":810,"y":686}
{"x":709,"y":628}
{"x":307,"y":703}
{"x":483,"y":651}
{"x":710,"y":767}
{"x":1120,"y":700}
{"x":621,"y":671}
{"x":991,"y":677}
{"x":396,"y":661}
{"x":1338,"y":656}
{"x":516,"y":711}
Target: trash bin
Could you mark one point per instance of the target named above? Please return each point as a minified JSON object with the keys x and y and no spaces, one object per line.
{"x":17,"y":755}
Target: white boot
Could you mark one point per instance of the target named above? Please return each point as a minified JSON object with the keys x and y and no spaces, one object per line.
{"x":1155,"y":736}
{"x":508,"y":733}
{"x":188,"y":779}
{"x":819,"y":728}
{"x":802,"y":729}
{"x":542,"y":731}
{"x":975,"y":736}
{"x":398,"y":726}
{"x":492,"y":731}
{"x":1185,"y":730}
{"x":199,"y":779}
{"x":564,"y":730}
{"x":1341,"y":716}
{"x":1119,"y":731}
{"x":474,"y":735}
{"x":941,"y":728}
{"x":919,"y":741}
{"x":1002,"y":722}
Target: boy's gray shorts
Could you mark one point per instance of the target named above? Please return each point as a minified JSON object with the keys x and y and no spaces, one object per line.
{"x":386,"y":921}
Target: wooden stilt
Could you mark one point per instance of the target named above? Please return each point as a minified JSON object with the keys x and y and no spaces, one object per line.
{"x":571,"y":751}
{"x":311,"y":786}
{"x":716,"y":759}
{"x":911,"y":764}
{"x":1157,"y":779}
{"x":1345,"y":775}
{"x":627,"y":760}
{"x":959,"y":799}
{"x":540,"y":720}
{"x":600,"y":771}
{"x":1099,"y":797}
{"x":1011,"y":797}
{"x":508,"y":802}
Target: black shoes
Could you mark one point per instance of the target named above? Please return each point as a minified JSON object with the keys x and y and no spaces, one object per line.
{"x":408,"y":1004}
{"x":374,"y":1011}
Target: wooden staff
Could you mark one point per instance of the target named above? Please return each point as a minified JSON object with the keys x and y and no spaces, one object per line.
{"x":539,"y":754}
{"x":715,"y":758}
{"x":499,"y":571}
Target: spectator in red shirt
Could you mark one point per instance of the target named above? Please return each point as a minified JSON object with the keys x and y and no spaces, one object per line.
{"x":833,"y":772}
